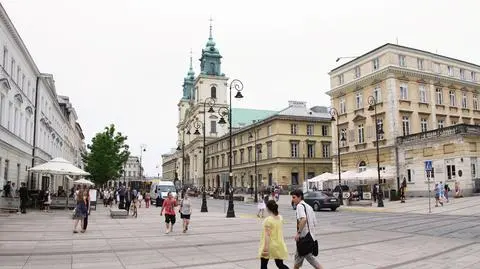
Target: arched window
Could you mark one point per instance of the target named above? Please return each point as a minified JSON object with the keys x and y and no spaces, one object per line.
{"x":213,"y":92}
{"x":362,"y":166}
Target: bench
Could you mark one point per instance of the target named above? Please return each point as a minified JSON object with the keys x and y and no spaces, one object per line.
{"x":361,"y":203}
{"x":116,"y":213}
{"x":59,"y":202}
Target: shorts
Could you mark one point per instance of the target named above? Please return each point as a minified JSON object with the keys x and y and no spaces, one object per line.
{"x":437,"y":196}
{"x":298,"y":261}
{"x":170,"y":219}
{"x":184,"y":216}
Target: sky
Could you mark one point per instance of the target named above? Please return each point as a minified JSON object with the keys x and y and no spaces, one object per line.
{"x":123,"y":62}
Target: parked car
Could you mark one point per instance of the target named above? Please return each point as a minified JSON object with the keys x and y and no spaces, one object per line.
{"x":319,"y":200}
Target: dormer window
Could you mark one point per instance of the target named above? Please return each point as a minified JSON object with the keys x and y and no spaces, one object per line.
{"x":401,"y":60}
{"x":376,"y":64}
{"x":340,"y":79}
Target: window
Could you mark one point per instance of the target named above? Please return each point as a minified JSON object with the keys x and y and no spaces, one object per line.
{"x":5,"y":56}
{"x":375,"y":64}
{"x":234,"y":157}
{"x":464,"y":100}
{"x":324,"y":130}
{"x":462,"y":74}
{"x":380,"y":127}
{"x":361,"y":134}
{"x":269,"y":150}
{"x":402,"y":60}
{"x":259,"y":151}
{"x":422,"y":94}
{"x":249,"y":157}
{"x":311,"y":150}
{"x":439,"y":96}
{"x":343,"y":134}
{"x":213,"y":92}
{"x":223,"y":160}
{"x":18,"y":75}
{"x":420,"y":64}
{"x":293,"y":128}
{"x":2,"y":108}
{"x":473,"y":162}
{"x":403,"y":91}
{"x":423,"y":125}
{"x":12,"y":69}
{"x":440,"y":124}
{"x":294,"y":149}
{"x":269,"y":130}
{"x":406,"y":125}
{"x":213,"y":126}
{"x":450,"y":70}
{"x":359,"y":100}
{"x":362,"y":166}
{"x":326,"y":150}
{"x":431,"y":174}
{"x":310,"y":129}
{"x":473,"y":76}
{"x":452,"y":98}
{"x":475,"y":102}
{"x":436,"y":67}
{"x":377,"y":94}
{"x":409,"y":175}
{"x":357,"y":72}
{"x":343,"y":109}
{"x":242,"y":151}
{"x":450,"y":171}
{"x":340,"y":79}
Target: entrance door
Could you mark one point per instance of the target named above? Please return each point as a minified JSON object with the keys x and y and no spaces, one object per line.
{"x":294,"y":178}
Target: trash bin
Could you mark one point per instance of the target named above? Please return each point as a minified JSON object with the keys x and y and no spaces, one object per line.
{"x":394,"y":196}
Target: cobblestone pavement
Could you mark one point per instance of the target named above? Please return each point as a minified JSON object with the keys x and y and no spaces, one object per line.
{"x":349,"y":238}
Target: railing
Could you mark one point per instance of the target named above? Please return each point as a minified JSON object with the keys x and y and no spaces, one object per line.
{"x":459,"y":129}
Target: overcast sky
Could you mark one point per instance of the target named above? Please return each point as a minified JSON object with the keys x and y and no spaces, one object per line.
{"x":123,"y":62}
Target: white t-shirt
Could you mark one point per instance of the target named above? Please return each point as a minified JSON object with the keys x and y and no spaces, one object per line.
{"x":310,"y":218}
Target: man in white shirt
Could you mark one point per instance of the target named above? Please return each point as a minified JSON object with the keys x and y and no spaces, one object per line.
{"x":304,"y":213}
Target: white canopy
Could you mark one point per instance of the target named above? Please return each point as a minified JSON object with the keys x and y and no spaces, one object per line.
{"x":349,"y":175}
{"x":83,"y":181}
{"x":323,"y":177}
{"x":59,"y":166}
{"x":371,"y":173}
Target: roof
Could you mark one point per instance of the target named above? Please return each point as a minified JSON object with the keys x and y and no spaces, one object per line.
{"x":402,"y":47}
{"x":245,"y":116}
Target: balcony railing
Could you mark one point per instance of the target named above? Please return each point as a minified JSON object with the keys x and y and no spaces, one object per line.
{"x":459,"y":129}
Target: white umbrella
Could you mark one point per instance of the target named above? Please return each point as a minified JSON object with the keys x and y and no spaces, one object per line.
{"x":59,"y":166}
{"x":83,"y":181}
{"x":349,"y":175}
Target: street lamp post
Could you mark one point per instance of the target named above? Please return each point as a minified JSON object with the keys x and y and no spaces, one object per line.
{"x":211,"y":102}
{"x":378,"y":131}
{"x":257,"y":151}
{"x":227,"y":111}
{"x":142,"y":149}
{"x":334,"y":114}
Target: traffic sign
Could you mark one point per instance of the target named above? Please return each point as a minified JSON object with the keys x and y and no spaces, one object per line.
{"x":428,"y":165}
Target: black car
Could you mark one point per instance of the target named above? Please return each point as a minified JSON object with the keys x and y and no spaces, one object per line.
{"x":318,"y":200}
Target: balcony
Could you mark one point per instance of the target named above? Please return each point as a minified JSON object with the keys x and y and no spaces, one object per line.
{"x":459,"y":129}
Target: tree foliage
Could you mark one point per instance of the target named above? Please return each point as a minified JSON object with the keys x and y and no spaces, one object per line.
{"x":106,"y":155}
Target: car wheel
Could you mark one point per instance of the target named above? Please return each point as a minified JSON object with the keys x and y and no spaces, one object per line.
{"x":316,"y":207}
{"x":334,"y":208}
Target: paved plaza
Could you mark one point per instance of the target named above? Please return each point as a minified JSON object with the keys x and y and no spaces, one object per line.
{"x":398,"y":236}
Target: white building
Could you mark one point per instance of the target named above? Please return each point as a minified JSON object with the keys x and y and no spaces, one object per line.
{"x":34,"y":126}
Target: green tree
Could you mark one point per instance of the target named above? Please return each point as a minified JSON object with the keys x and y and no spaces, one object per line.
{"x":106,"y":155}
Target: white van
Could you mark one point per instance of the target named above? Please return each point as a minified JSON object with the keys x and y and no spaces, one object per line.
{"x":162,"y":188}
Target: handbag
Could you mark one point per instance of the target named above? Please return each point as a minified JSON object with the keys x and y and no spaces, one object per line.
{"x":306,"y":244}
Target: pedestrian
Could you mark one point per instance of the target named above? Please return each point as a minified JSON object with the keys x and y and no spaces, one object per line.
{"x":7,"y":189}
{"x":147,"y":200}
{"x":47,"y":200}
{"x":128,"y":200}
{"x":272,"y":242}
{"x":23,"y":198}
{"x":136,"y":203}
{"x":80,"y":211}
{"x":305,"y":229}
{"x":168,"y":208}
{"x":438,"y":194}
{"x":403,"y":190}
{"x":261,"y":205}
{"x":106,"y":197}
{"x":185,"y":211}
{"x":140,"y":199}
{"x":447,"y":189}
{"x":13,"y":190}
{"x":86,"y":194}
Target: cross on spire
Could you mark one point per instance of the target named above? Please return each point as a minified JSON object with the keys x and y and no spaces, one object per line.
{"x":191,"y":66}
{"x":211,"y":21}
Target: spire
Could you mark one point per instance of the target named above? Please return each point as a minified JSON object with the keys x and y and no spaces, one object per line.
{"x":210,"y":61}
{"x":188,"y":81}
{"x":191,"y":73}
{"x":211,"y":36}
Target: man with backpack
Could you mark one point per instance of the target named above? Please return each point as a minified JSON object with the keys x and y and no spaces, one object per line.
{"x":307,"y":247}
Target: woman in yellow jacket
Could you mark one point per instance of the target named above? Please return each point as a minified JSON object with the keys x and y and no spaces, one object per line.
{"x":272,"y":243}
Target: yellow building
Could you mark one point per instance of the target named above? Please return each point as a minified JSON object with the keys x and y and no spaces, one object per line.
{"x":290,"y":145}
{"x":427,"y":108}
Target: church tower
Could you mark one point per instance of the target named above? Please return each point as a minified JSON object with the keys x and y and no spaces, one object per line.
{"x":210,"y":63}
{"x":188,"y":92}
